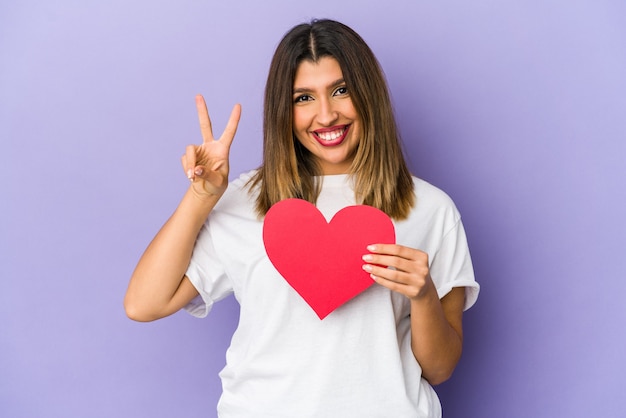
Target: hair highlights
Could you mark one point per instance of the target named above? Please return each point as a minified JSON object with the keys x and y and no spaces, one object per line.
{"x":381,"y":177}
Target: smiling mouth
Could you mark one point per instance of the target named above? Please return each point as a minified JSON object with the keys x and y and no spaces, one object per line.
{"x":330,"y":137}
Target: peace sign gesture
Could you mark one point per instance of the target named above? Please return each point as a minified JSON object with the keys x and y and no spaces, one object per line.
{"x":206,"y":165}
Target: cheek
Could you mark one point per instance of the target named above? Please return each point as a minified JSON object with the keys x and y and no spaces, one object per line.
{"x":353,"y":114}
{"x":299,"y":120}
{"x":349,"y":112}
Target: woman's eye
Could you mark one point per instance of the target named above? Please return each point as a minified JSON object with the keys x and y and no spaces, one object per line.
{"x":302,"y":98}
{"x":341,"y":91}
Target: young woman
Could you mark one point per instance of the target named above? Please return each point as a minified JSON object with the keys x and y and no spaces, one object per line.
{"x":329,"y":138}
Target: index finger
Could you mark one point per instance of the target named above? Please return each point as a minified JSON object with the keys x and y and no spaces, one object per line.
{"x":205,"y":121}
{"x":395,"y":250}
{"x":231,"y":126}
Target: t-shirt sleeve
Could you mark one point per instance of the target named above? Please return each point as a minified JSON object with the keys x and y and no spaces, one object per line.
{"x":452,"y":267}
{"x":208,"y":275}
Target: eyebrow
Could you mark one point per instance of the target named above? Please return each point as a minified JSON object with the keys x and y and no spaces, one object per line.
{"x":307,"y":89}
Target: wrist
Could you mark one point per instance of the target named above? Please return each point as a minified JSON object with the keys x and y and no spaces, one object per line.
{"x":199,"y":192}
{"x":427,"y":293}
{"x":197,"y":205}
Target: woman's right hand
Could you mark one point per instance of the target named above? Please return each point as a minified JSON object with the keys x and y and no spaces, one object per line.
{"x":206,"y":165}
{"x":158,"y":286}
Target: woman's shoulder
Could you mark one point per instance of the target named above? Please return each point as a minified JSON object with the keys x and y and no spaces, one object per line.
{"x":239,"y":197}
{"x":241,"y":183}
{"x":431,"y":198}
{"x":428,"y":190}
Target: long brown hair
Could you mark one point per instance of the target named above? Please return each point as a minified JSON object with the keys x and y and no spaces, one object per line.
{"x":379,"y":171}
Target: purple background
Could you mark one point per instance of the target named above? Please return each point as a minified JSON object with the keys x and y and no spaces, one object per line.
{"x":517,"y":109}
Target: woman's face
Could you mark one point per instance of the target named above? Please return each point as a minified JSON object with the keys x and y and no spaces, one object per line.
{"x":324,"y":119}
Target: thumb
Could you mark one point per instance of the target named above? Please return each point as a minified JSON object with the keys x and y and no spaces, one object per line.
{"x":202,"y":172}
{"x":212,"y":181}
{"x":198,"y":171}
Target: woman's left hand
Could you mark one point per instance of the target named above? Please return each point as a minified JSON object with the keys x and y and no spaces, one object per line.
{"x":409,"y":273}
{"x":436,"y":325}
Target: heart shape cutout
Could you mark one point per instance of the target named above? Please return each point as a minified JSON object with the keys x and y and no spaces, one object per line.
{"x":322,"y":260}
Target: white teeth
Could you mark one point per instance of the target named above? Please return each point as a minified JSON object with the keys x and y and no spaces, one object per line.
{"x":329,"y":136}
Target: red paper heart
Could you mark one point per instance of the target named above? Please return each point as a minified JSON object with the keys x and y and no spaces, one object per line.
{"x":322,"y":260}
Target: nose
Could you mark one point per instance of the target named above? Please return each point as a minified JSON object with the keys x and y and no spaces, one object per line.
{"x":327,"y":114}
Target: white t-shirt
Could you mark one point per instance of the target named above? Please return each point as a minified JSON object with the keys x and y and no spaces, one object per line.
{"x":283,"y":360}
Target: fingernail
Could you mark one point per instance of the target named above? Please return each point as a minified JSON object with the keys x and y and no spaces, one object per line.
{"x":190,"y":174}
{"x":199,"y":171}
{"x":367,"y":267}
{"x":371,"y":247}
{"x":367,"y":257}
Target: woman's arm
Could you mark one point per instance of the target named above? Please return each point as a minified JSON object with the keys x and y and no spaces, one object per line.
{"x":158,"y":286}
{"x":437,"y":334}
{"x":436,"y":325}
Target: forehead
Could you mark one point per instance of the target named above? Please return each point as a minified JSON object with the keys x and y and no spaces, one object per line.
{"x":320,"y":73}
